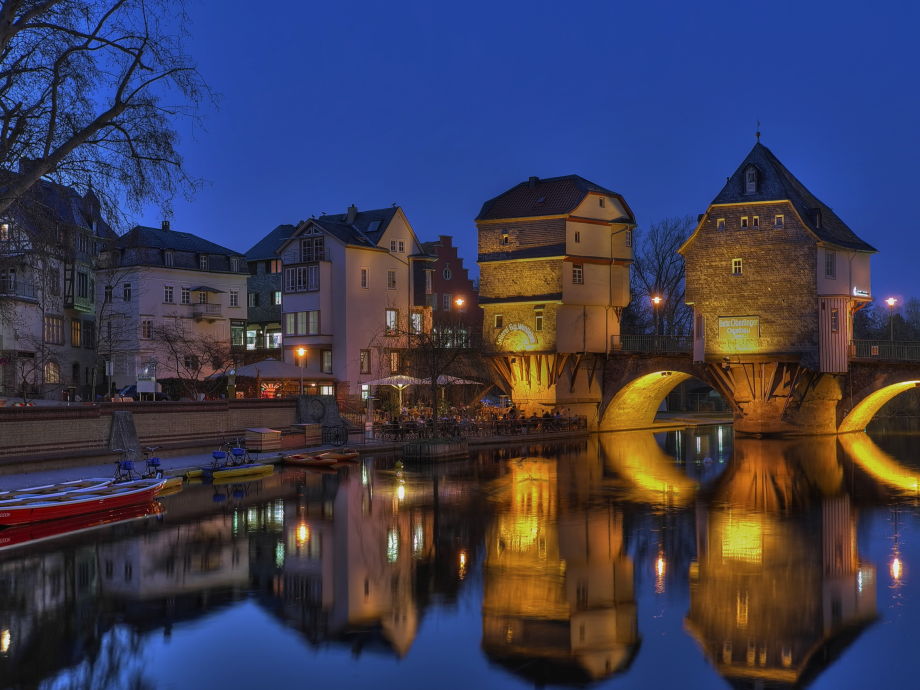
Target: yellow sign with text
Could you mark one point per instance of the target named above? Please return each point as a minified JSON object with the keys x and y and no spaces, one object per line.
{"x":739,"y":333}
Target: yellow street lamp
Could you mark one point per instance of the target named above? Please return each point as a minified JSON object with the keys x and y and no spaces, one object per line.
{"x":459,"y":302}
{"x":302,"y":353}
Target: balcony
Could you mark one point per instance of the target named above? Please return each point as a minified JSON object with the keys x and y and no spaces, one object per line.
{"x":207,"y":312}
{"x":890,"y":350}
{"x":16,"y":288}
{"x":651,"y":344}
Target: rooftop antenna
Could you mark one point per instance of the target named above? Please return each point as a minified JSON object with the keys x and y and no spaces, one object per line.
{"x":757,"y":133}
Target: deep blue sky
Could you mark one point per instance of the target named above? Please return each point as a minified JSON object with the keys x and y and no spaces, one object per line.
{"x":440,"y":106}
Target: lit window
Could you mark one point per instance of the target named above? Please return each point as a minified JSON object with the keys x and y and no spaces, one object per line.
{"x":364,"y":277}
{"x":720,"y":224}
{"x":744,"y":221}
{"x":736,"y":267}
{"x":185,"y":295}
{"x":52,"y":372}
{"x":274,"y":266}
{"x":168,"y":294}
{"x":578,"y":274}
{"x":75,"y":332}
{"x":391,"y":280}
{"x":415,"y":322}
{"x":577,"y":236}
{"x":778,"y":221}
{"x":505,"y":239}
{"x":499,"y":321}
{"x":830,"y":264}
{"x":234,"y":298}
{"x":538,"y":317}
{"x":392,"y":320}
{"x":835,"y":320}
{"x":4,"y":232}
{"x":276,"y":297}
{"x":394,"y":362}
{"x":365,"y":356}
{"x":755,"y":221}
{"x":202,"y":297}
{"x":327,"y":389}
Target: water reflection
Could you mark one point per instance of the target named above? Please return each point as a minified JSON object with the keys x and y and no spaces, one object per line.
{"x":545,"y":564}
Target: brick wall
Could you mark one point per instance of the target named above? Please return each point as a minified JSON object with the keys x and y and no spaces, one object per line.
{"x":777,"y":284}
{"x":517,"y":278}
{"x":521,"y":235}
{"x":42,"y":433}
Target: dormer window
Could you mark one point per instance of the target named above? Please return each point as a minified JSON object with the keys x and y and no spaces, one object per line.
{"x":203,"y":262}
{"x":817,"y":217}
{"x":750,"y":180}
{"x":169,"y":258}
{"x":720,"y":224}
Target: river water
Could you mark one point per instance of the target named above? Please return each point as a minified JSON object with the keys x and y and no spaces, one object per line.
{"x":689,"y":559}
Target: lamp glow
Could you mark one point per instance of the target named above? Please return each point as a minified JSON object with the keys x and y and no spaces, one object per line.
{"x":4,"y":641}
{"x":896,"y":569}
{"x":459,"y":301}
{"x":401,"y":492}
{"x":891,"y":301}
{"x":303,"y":534}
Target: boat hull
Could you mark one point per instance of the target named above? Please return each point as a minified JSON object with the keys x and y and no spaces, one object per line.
{"x":339,"y":455}
{"x":308,"y":461}
{"x":51,"y":529}
{"x":25,"y":511}
{"x":240,"y":471}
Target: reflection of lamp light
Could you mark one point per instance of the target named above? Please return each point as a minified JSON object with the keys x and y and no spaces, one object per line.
{"x":401,"y":491}
{"x":661,"y":567}
{"x":303,"y":534}
{"x":897,"y":569}
{"x":301,"y":352}
{"x":4,"y":641}
{"x":461,"y":570}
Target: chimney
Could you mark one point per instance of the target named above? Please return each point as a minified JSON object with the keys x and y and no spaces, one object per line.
{"x":533,"y":181}
{"x":166,"y":225}
{"x":351,"y":214}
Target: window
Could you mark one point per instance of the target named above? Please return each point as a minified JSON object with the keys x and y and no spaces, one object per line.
{"x":755,"y":221}
{"x":126,"y":292}
{"x":364,"y":277}
{"x":629,"y":238}
{"x":234,"y":298}
{"x":312,"y":277}
{"x":8,"y":281}
{"x":89,"y":336}
{"x":778,"y":221}
{"x":237,"y":333}
{"x":185,"y":295}
{"x":577,"y":236}
{"x":4,"y":232}
{"x":505,"y":239}
{"x":76,"y":332}
{"x":327,"y":389}
{"x":325,"y":358}
{"x":252,"y":299}
{"x":391,"y":280}
{"x":392,"y":245}
{"x":365,"y":359}
{"x":169,"y":258}
{"x":830,"y":264}
{"x":750,"y":180}
{"x":168,"y":294}
{"x":52,"y":372}
{"x":108,"y":294}
{"x":394,"y":362}
{"x":392,"y":320}
{"x":720,"y":224}
{"x":835,"y":320}
{"x":744,"y":222}
{"x":415,"y":322}
{"x":578,"y":274}
{"x":736,"y":267}
{"x":499,"y":321}
{"x":312,"y":322}
{"x":53,"y":331}
{"x":276,"y":298}
{"x":203,"y":262}
{"x":312,"y":249}
{"x":190,"y":362}
{"x":373,"y":226}
{"x":446,"y":301}
{"x":601,"y":201}
{"x":202,"y":297}
{"x":290,"y":323}
{"x":235,"y":264}
{"x":538,"y":317}
{"x":146,"y":329}
{"x":82,"y":285}
{"x":428,"y":273}
{"x":402,"y":247}
{"x":447,"y":273}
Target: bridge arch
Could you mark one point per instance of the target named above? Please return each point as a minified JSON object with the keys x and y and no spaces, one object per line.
{"x":862,"y":413}
{"x":636,"y":403}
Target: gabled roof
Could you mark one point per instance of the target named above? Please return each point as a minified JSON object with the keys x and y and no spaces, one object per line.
{"x":154,"y":238}
{"x":47,"y":200}
{"x":776,"y":183}
{"x":547,"y":197}
{"x":366,"y":230}
{"x":268,"y":245}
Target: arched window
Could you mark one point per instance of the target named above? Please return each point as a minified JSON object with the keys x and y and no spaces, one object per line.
{"x":750,"y":180}
{"x":52,"y":372}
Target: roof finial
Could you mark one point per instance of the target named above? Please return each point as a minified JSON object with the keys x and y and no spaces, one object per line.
{"x":757,"y":133}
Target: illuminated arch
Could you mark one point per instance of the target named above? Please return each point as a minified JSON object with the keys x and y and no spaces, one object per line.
{"x":639,"y":460}
{"x":635,"y":405}
{"x":860,"y":416}
{"x":878,"y":464}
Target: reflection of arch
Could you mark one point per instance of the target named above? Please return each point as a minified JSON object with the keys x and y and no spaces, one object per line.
{"x":860,"y":416}
{"x":879,"y":464}
{"x":635,"y":404}
{"x":638,"y":459}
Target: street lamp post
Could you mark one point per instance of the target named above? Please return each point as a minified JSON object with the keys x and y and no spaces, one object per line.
{"x":891,"y":302}
{"x":301,"y":352}
{"x":656,"y":301}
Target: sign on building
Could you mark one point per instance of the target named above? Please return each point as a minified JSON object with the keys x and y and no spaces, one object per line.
{"x":739,"y":333}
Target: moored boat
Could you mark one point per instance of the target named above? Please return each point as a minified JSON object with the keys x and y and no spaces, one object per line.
{"x":51,"y":529}
{"x":301,"y":460}
{"x":230,"y":471}
{"x":25,"y":509}
{"x":339,"y":455}
{"x":55,"y":489}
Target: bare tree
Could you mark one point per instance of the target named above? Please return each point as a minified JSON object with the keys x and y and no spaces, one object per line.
{"x":89,"y":94}
{"x":658,"y":270}
{"x":191,"y":357}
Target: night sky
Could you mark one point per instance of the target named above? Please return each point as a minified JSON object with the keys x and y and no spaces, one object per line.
{"x":439,"y":106}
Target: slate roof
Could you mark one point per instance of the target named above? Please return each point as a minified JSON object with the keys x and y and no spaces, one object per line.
{"x":366,"y":230}
{"x":548,"y":297}
{"x":141,"y":236}
{"x":46,"y":199}
{"x":266,"y":247}
{"x":776,"y":183}
{"x":547,"y":197}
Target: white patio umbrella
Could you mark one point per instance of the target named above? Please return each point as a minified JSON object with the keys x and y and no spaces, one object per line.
{"x":399,"y":381}
{"x":445,"y":380}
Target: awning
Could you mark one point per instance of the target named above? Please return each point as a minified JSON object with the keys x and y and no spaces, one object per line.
{"x":205,"y":288}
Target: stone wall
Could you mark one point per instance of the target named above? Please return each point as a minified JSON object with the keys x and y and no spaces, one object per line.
{"x":777,"y":283}
{"x":524,"y":234}
{"x":519,"y":278}
{"x":31,"y":434}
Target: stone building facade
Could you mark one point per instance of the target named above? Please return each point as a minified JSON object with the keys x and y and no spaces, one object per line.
{"x":554,"y":257}
{"x":445,"y":285}
{"x":263,"y":298}
{"x":771,"y":270}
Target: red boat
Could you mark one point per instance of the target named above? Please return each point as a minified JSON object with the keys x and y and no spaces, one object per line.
{"x":26,"y":509}
{"x":50,"y":529}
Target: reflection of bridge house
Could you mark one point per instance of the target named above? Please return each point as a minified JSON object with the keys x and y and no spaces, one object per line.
{"x":554,"y":258}
{"x":774,"y":277}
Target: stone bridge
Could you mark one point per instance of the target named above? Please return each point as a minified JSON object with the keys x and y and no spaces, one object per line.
{"x":770,"y":396}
